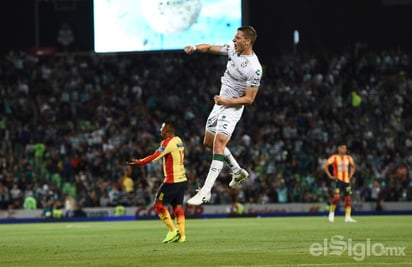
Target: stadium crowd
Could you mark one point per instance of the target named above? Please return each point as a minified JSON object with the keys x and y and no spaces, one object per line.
{"x":70,"y":122}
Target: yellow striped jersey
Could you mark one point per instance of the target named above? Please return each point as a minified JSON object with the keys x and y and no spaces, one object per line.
{"x":172,"y":151}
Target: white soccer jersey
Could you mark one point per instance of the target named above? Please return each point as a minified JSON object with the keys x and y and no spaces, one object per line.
{"x":241,"y":71}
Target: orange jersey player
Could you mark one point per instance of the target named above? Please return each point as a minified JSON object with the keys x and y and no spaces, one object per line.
{"x":171,"y":149}
{"x":172,"y":189}
{"x":344,"y":168}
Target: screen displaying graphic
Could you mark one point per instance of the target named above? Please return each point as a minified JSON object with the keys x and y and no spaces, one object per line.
{"x":155,"y":25}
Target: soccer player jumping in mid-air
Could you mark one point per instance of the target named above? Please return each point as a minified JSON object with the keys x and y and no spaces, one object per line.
{"x":239,"y":87}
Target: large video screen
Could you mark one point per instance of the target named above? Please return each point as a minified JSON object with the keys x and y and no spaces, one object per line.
{"x":156,"y":25}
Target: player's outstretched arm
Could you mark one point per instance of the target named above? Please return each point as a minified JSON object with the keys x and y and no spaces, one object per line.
{"x":203,"y":48}
{"x":132,"y":162}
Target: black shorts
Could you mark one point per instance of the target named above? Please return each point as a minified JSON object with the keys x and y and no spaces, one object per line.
{"x":172,"y":194}
{"x":341,"y":187}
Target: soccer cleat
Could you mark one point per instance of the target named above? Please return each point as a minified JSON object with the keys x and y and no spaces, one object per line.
{"x":182,"y":239}
{"x":171,"y":236}
{"x":349,"y":219}
{"x":331,"y":217}
{"x":200,"y":198}
{"x":239,"y":177}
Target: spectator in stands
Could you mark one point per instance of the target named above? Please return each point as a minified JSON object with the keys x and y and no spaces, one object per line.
{"x":69,"y":205}
{"x":16,"y":196}
{"x":127,"y":185}
{"x":30,"y":203}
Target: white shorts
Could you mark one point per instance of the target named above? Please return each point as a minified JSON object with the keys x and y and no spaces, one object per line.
{"x":223,"y":119}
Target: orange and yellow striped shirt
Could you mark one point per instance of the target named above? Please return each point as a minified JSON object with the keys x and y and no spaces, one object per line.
{"x":172,"y":151}
{"x":341,"y":166}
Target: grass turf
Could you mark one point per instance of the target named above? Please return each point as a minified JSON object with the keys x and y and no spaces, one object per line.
{"x":275,"y":241}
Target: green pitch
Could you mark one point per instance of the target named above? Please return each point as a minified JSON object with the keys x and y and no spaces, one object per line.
{"x":279,"y":241}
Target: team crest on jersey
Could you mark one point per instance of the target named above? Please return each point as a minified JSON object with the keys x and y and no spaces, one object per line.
{"x":244,"y":64}
{"x":256,"y":81}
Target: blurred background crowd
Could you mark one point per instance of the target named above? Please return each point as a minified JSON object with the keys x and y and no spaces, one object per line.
{"x":69,"y":122}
